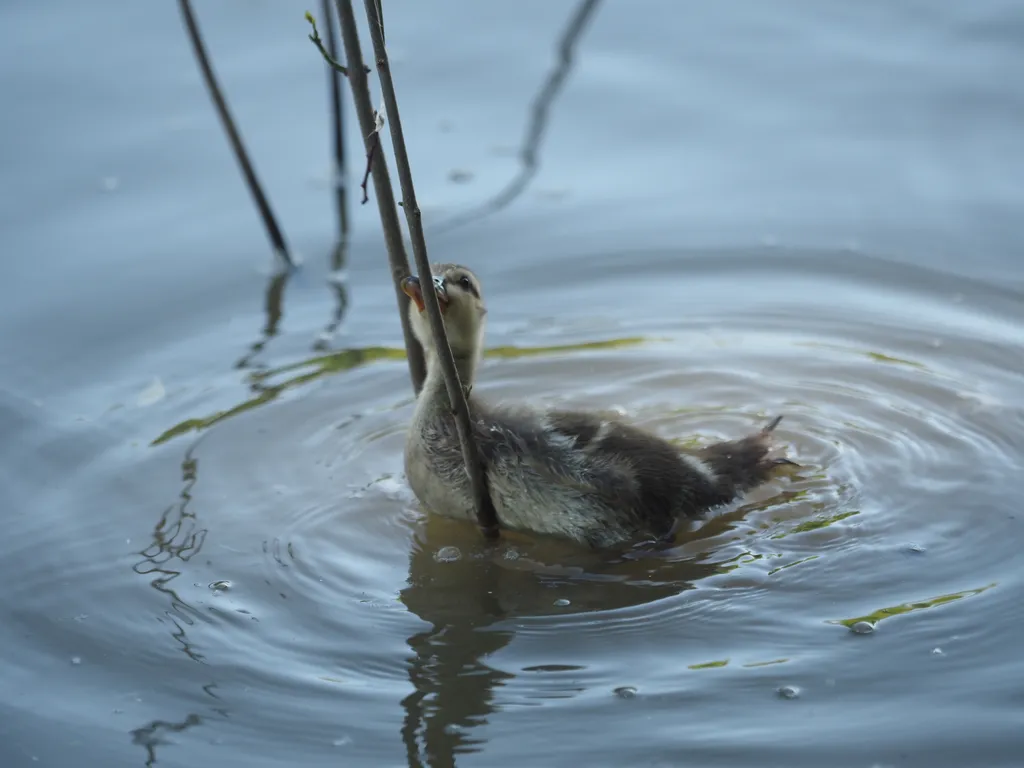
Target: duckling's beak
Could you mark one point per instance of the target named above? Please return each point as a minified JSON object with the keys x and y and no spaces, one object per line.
{"x":412,"y":288}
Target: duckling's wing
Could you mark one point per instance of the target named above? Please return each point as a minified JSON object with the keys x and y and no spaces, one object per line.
{"x":551,"y":449}
{"x":667,"y":482}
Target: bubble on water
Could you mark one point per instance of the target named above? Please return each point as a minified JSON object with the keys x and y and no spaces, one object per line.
{"x":561,"y":602}
{"x":221,"y":586}
{"x":448,"y":555}
{"x":76,"y":660}
{"x":511,"y":554}
{"x":862,"y":628}
{"x":81,"y":617}
{"x":788,"y":692}
{"x":152,"y":394}
{"x":625,"y":692}
{"x":918,"y":548}
{"x":390,"y":487}
{"x":938,"y":652}
{"x":344,"y":741}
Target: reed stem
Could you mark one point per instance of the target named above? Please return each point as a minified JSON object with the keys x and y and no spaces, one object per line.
{"x":269,"y":220}
{"x":486,"y":515}
{"x":397,"y":258}
{"x":340,"y":178}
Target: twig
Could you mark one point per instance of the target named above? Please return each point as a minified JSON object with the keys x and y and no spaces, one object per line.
{"x":369,"y":164}
{"x":397,"y":258}
{"x":269,"y":221}
{"x":329,"y":56}
{"x":487,"y":517}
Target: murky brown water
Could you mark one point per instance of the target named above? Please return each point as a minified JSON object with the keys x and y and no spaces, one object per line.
{"x":211,"y":556}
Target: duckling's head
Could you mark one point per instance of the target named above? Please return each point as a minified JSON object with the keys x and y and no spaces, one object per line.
{"x":462,"y":307}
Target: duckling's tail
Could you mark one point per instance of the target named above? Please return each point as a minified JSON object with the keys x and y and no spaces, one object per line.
{"x":746,"y":463}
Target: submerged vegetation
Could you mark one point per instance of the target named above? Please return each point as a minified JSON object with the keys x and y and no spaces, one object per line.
{"x":344,"y":360}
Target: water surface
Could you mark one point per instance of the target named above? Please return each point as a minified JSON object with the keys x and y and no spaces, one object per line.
{"x":702,"y":217}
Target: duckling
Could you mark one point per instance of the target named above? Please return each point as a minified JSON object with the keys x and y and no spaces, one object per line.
{"x":597,"y":480}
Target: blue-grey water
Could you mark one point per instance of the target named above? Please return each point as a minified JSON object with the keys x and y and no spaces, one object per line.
{"x":709,"y":213}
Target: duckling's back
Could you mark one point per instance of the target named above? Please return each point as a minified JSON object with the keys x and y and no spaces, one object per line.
{"x":578,"y":475}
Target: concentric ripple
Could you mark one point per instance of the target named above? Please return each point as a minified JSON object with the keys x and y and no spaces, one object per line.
{"x":290,"y":562}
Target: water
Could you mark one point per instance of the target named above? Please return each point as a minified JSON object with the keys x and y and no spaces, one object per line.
{"x":210,"y":554}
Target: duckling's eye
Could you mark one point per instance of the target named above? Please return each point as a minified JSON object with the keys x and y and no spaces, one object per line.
{"x":467,"y":284}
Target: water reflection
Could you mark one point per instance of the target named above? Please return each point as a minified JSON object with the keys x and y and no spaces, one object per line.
{"x":274,"y":310}
{"x":470,"y":596}
{"x":266,"y":389}
{"x":178,"y":536}
{"x":154,"y":734}
{"x":338,"y":284}
{"x":539,"y":114}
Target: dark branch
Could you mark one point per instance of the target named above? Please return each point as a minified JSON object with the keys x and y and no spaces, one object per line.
{"x":486,"y":515}
{"x":269,"y":221}
{"x":369,"y":126}
{"x":340,"y":175}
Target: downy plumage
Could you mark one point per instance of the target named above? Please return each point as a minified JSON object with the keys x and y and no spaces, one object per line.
{"x":583,"y":476}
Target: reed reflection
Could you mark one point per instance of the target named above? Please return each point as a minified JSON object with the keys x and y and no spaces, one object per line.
{"x":538,"y":117}
{"x":178,"y":536}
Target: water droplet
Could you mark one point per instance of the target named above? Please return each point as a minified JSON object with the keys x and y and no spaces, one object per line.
{"x":561,"y":602}
{"x":448,"y":555}
{"x":863,"y":628}
{"x":788,"y":692}
{"x":625,"y":692}
{"x":76,"y":660}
